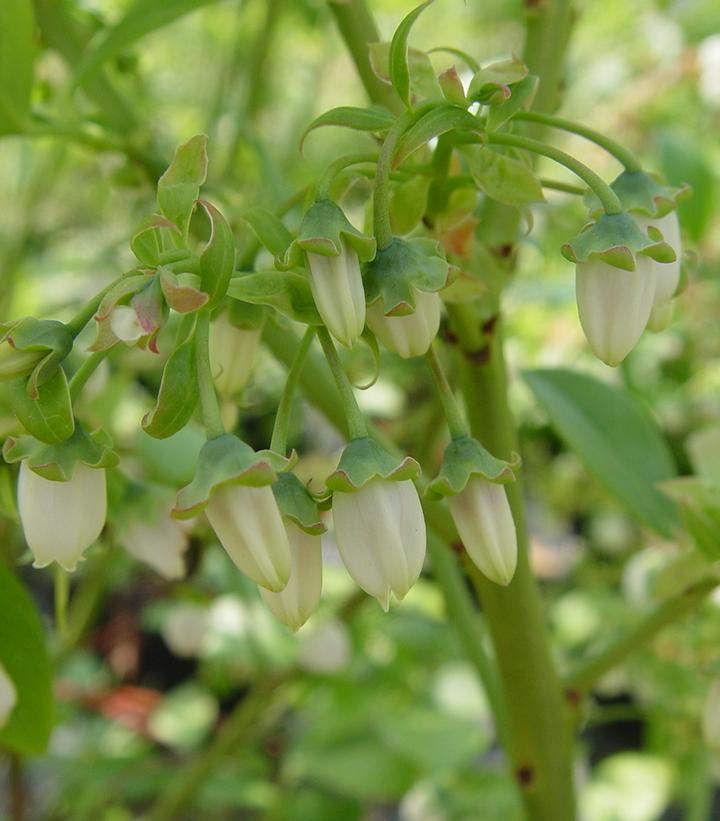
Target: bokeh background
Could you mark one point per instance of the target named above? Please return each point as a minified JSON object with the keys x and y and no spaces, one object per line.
{"x":362,"y":715}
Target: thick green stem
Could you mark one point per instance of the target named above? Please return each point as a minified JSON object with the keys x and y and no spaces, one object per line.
{"x":608,"y":198}
{"x":278,"y":442}
{"x":208,"y":398}
{"x":566,"y":187}
{"x":455,"y":422}
{"x":613,"y":147}
{"x":85,"y":371}
{"x":668,"y":612}
{"x":381,"y":194}
{"x":356,"y":424}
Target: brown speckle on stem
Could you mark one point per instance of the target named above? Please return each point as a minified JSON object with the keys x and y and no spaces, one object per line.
{"x":525,"y":776}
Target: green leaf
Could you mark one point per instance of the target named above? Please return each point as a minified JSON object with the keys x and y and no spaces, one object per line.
{"x":217,"y":260}
{"x":432,"y":121}
{"x":269,"y":230}
{"x":24,"y":656}
{"x":48,"y":418}
{"x":491,"y":85}
{"x":408,"y":201}
{"x":374,"y":119}
{"x":399,"y":70}
{"x":154,"y":238}
{"x":614,"y":437}
{"x":179,"y":186}
{"x":178,"y":393}
{"x":17,"y":54}
{"x":503,"y":178}
{"x":424,"y":83}
{"x":521,"y":97}
{"x":286,"y":291}
{"x":140,"y":19}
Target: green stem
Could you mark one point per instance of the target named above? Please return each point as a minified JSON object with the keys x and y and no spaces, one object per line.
{"x":613,"y":147}
{"x":668,"y":612}
{"x":453,"y":417}
{"x":608,"y":198}
{"x":85,"y":371}
{"x":88,"y":311}
{"x":567,"y":187}
{"x":208,"y":398}
{"x":62,"y":594}
{"x":381,"y":194}
{"x":278,"y":443}
{"x":357,"y":427}
{"x":327,"y":179}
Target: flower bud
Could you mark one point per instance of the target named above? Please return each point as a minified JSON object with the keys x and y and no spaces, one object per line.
{"x":484,"y":521}
{"x":614,"y":305}
{"x":661,"y":315}
{"x":8,"y":696}
{"x":294,"y":605}
{"x":711,"y":717}
{"x":61,"y":519}
{"x":380,"y":532}
{"x":125,"y":324}
{"x":337,"y":289}
{"x":667,"y":273}
{"x":247,"y":521}
{"x":159,"y":541}
{"x":232,"y":354}
{"x":409,"y":335}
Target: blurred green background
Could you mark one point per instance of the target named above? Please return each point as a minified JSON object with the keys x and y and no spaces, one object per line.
{"x":362,"y":715}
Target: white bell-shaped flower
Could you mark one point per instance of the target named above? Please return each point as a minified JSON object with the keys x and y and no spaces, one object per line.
{"x":248,"y":523}
{"x":484,"y":521}
{"x":614,"y":305}
{"x":8,"y":696}
{"x":667,"y":274}
{"x":294,"y":605}
{"x":409,"y":335}
{"x":159,"y":542}
{"x":61,"y":519}
{"x":381,"y":537}
{"x":232,"y":354}
{"x":711,"y":717}
{"x":338,"y":292}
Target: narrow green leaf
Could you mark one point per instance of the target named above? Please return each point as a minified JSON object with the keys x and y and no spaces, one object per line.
{"x":218,"y":259}
{"x":178,"y":394}
{"x":503,"y":178}
{"x":141,"y":18}
{"x":614,"y":437}
{"x":17,"y":54}
{"x":48,"y":418}
{"x":286,"y":291}
{"x":424,"y":83}
{"x":399,"y":69}
{"x":269,"y":230}
{"x":432,"y":121}
{"x":373,"y":118}
{"x":24,"y":656}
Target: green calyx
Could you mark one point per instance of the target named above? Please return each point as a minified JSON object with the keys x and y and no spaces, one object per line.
{"x":465,"y":457}
{"x":297,"y":504}
{"x":227,"y":460}
{"x":363,"y":460}
{"x":57,"y":462}
{"x":38,"y":347}
{"x":616,"y":239}
{"x":323,"y":231}
{"x":402,"y":268}
{"x":492,"y":85}
{"x":642,"y":193}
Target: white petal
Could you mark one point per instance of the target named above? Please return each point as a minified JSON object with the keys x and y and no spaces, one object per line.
{"x":159,"y":543}
{"x":614,"y":305}
{"x":232,"y":354}
{"x":8,"y":696}
{"x":61,"y":519}
{"x":338,"y":292}
{"x":667,"y":273}
{"x":248,"y":523}
{"x":125,"y":323}
{"x":484,"y":521}
{"x":410,"y":335}
{"x":294,"y":605}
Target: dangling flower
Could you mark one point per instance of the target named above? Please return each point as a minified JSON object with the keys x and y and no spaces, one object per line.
{"x":61,"y":519}
{"x":409,"y":335}
{"x":232,"y":354}
{"x":125,"y":324}
{"x":667,"y":274}
{"x":8,"y":696}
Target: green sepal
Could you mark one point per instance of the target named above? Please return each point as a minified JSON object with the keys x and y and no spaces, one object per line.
{"x":642,"y":193}
{"x":182,"y":291}
{"x":49,"y":417}
{"x":153,"y":239}
{"x":362,"y":460}
{"x":699,"y":504}
{"x":323,"y":230}
{"x":404,"y":266}
{"x":179,"y":186}
{"x":218,"y":257}
{"x":615,"y":239}
{"x":466,"y":457}
{"x":286,"y":291}
{"x":227,"y":460}
{"x":178,"y":393}
{"x":39,"y":346}
{"x":57,"y":462}
{"x":297,"y":504}
{"x":452,"y":87}
{"x":491,"y":85}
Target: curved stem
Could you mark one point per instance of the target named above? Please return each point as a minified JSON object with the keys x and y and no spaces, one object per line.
{"x":613,"y":147}
{"x":208,"y":398}
{"x":357,"y":426}
{"x":89,"y":309}
{"x":381,"y":194}
{"x":278,"y":443}
{"x":453,"y":417}
{"x":85,"y":371}
{"x":327,"y":179}
{"x":566,"y":187}
{"x":608,"y":198}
